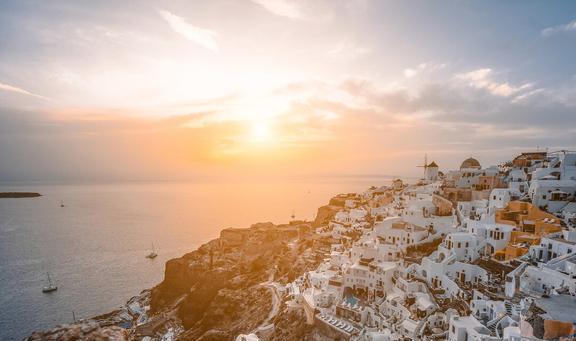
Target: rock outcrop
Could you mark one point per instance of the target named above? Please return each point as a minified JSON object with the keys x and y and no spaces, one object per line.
{"x":218,"y":291}
{"x":89,"y":331}
{"x":325,"y":214}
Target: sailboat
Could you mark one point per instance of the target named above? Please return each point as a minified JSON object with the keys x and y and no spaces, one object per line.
{"x":50,"y":287}
{"x":152,"y":253}
{"x":61,"y":203}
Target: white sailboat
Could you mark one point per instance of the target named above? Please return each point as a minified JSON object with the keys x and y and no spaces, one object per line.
{"x":152,"y":253}
{"x":50,"y":287}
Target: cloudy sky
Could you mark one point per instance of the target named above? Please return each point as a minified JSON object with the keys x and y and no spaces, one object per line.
{"x":177,"y":89}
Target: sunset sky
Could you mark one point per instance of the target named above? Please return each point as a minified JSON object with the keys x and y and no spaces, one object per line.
{"x":179,"y":89}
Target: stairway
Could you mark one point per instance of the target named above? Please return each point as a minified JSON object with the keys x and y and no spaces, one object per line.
{"x":492,"y":324}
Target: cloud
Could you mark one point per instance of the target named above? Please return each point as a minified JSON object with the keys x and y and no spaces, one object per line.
{"x":355,"y":123}
{"x":422,"y":67}
{"x":284,"y":8}
{"x":201,"y":36}
{"x":316,"y":10}
{"x":348,"y":50}
{"x":11,"y":88}
{"x":483,"y":79}
{"x":550,"y":31}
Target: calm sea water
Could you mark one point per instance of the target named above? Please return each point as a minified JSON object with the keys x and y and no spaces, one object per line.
{"x":94,"y":247}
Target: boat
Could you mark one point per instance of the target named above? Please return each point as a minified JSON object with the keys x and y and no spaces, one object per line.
{"x":50,"y":287}
{"x":152,"y":253}
{"x":62,"y":203}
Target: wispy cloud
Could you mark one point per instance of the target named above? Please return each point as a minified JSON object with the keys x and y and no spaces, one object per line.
{"x":285,"y":8}
{"x":201,"y":36}
{"x":550,"y":31}
{"x":348,"y":50}
{"x":483,"y":79}
{"x":11,"y":88}
{"x":422,"y":67}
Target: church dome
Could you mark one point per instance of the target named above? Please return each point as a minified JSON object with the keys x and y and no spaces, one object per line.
{"x":470,"y":163}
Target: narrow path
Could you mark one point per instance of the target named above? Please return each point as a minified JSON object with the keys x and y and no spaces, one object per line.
{"x":149,"y":328}
{"x":276,"y":300}
{"x":275,"y":305}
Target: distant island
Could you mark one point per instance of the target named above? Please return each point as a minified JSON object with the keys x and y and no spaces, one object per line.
{"x":10,"y":195}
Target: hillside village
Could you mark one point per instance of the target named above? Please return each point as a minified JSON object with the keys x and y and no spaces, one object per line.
{"x":471,"y":254}
{"x":475,"y":254}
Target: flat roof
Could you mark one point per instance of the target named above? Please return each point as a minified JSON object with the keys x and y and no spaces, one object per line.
{"x":562,"y":240}
{"x":560,"y":308}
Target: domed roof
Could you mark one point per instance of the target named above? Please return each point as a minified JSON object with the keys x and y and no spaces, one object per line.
{"x":470,"y":163}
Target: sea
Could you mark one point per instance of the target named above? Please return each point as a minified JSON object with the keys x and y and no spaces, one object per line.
{"x":94,"y":247}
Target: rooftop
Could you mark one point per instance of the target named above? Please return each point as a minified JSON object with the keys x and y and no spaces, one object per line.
{"x":560,"y":308}
{"x":470,"y":163}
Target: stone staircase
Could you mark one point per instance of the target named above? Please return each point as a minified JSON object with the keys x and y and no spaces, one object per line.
{"x":491,"y":325}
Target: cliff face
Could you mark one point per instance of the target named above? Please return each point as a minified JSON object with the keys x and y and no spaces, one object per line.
{"x":229,"y":313}
{"x":325,"y":214}
{"x":218,"y":291}
{"x":215,"y":292}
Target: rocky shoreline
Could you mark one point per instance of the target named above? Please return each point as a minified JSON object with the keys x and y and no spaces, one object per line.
{"x":229,"y":286}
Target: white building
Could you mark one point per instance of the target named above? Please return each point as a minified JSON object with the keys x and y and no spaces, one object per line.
{"x":518,"y":182}
{"x":467,"y":328}
{"x":554,"y":245}
{"x":538,"y":281}
{"x":464,"y":245}
{"x":560,"y":166}
{"x":394,"y":230}
{"x":373,"y":277}
{"x":552,"y":195}
{"x":432,"y":171}
{"x":495,"y":236}
{"x":499,"y":198}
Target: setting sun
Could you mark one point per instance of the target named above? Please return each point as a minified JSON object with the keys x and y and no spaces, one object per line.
{"x":260,"y":132}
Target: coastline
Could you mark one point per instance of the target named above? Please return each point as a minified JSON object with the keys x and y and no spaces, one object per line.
{"x":17,"y":195}
{"x":170,"y":216}
{"x":232,"y":273}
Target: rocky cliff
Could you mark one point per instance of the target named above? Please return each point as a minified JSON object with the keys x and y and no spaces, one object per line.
{"x":215,"y":292}
{"x":222,"y":289}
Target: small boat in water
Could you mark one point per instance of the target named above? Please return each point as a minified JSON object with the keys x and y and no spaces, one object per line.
{"x":62,"y":204}
{"x":50,"y":287}
{"x":152,"y":253}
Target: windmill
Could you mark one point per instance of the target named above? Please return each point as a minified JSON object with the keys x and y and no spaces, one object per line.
{"x":425,"y":166}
